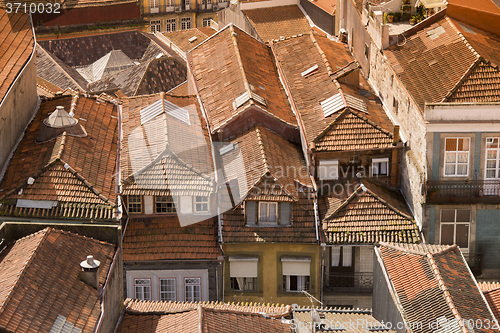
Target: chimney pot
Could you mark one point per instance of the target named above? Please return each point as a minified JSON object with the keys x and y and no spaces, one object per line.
{"x":90,"y":271}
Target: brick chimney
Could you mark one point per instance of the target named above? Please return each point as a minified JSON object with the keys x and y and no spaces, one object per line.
{"x":90,"y":271}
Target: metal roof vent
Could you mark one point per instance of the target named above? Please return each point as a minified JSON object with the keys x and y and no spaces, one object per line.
{"x":192,"y":39}
{"x":332,"y":105}
{"x":90,"y":271}
{"x":57,"y":123}
{"x":60,"y":119}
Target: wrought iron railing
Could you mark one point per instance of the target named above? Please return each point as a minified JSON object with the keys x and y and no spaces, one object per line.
{"x":179,"y":7}
{"x":356,"y":280}
{"x":463,"y":189}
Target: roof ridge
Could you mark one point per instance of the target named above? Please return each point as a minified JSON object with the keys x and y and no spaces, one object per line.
{"x":262,"y":150}
{"x":444,"y":288}
{"x":240,"y":61}
{"x":45,"y":232}
{"x":85,"y":182}
{"x":146,"y":66}
{"x":51,"y":56}
{"x":322,"y":54}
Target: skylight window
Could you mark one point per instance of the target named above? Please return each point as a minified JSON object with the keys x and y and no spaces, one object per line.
{"x":310,"y":71}
{"x":227,"y":149}
{"x":192,"y":39}
{"x":332,"y":105}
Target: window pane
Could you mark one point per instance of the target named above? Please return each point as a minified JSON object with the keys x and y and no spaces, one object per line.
{"x":293,"y":282}
{"x":450,"y":157}
{"x":462,"y":169}
{"x":463,"y":144}
{"x":336,"y":256}
{"x":272,"y":212}
{"x":347,"y":256}
{"x":263,"y":212}
{"x":463,"y":215}
{"x":451,"y":144}
{"x":448,"y":215}
{"x":383,"y":168}
{"x":449,"y":169}
{"x":463,"y":235}
{"x":490,"y":174}
{"x":447,"y":236}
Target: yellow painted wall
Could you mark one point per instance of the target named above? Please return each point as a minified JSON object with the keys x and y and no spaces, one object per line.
{"x":270,"y":280}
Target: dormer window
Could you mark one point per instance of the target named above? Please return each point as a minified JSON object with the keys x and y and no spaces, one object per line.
{"x":134,"y":204}
{"x":380,"y":167}
{"x":268,"y":212}
{"x":201,"y":204}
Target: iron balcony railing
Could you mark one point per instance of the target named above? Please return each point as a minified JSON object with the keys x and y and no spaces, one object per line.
{"x":474,"y":190}
{"x":179,"y":8}
{"x":362,"y":281}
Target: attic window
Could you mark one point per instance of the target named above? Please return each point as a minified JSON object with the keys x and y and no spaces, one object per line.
{"x":310,"y":71}
{"x":192,"y":39}
{"x":332,"y":105}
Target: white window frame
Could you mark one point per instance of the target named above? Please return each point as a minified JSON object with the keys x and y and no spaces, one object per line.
{"x":325,"y":171}
{"x":185,"y":23}
{"x":154,"y":6}
{"x":456,"y":152}
{"x":197,"y":200}
{"x":380,"y":161}
{"x":191,"y":286}
{"x":496,"y":159}
{"x":206,"y":22}
{"x":143,"y":288}
{"x":269,"y":204}
{"x":155,"y":26}
{"x":465,"y":250}
{"x":170,"y":25}
{"x":168,"y":291}
{"x":130,"y":202}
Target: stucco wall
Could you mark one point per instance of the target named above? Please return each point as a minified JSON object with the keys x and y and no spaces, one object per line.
{"x":270,"y":289}
{"x":112,"y":299}
{"x":16,"y":110}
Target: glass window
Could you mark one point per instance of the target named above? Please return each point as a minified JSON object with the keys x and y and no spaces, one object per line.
{"x":167,"y":290}
{"x":341,"y":256}
{"x":201,"y":204}
{"x":185,"y":23}
{"x":492,"y":158}
{"x":206,"y":22}
{"x":142,"y":289}
{"x":295,"y":282}
{"x":328,"y":169}
{"x":268,"y":212}
{"x":456,"y":157}
{"x":155,"y":26}
{"x":380,"y":167}
{"x":170,"y":25}
{"x":164,"y":205}
{"x":134,"y":204}
{"x":455,"y":227}
{"x":192,"y":289}
{"x":244,"y":283}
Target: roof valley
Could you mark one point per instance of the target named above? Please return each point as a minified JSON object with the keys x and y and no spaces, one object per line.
{"x":240,"y":61}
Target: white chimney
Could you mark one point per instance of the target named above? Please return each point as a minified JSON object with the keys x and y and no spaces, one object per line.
{"x":90,"y":271}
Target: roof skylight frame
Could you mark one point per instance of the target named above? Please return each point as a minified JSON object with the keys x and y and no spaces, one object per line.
{"x":310,"y":71}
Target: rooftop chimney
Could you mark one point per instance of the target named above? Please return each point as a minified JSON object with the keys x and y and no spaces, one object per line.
{"x":90,"y":271}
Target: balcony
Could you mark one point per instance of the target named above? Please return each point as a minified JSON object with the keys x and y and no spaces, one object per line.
{"x":467,"y":191}
{"x":350,"y":282}
{"x":162,"y":9}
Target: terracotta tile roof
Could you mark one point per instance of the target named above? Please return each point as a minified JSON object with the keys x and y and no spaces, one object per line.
{"x":232,"y":64}
{"x":210,"y":317}
{"x":277,"y":22}
{"x":266,"y":154}
{"x":17,"y":42}
{"x":377,"y":215}
{"x":166,"y":156}
{"x":56,"y":72}
{"x":432,"y":61}
{"x":41,"y":281}
{"x":433,"y":284}
{"x":72,"y":170}
{"x":45,"y":88}
{"x":352,"y":131}
{"x":180,"y":38}
{"x":163,"y":238}
{"x":488,"y":286}
{"x":337,"y":319}
{"x":297,"y":54}
{"x":136,"y":45}
{"x":329,"y":6}
{"x":161,"y":307}
{"x":150,"y":77}
{"x":493,"y":298}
